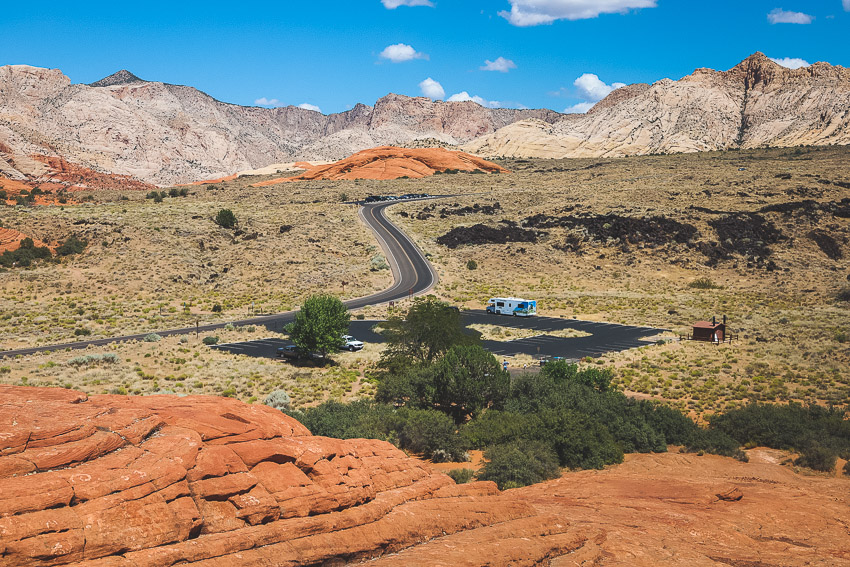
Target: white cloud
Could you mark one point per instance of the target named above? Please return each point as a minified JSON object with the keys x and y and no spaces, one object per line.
{"x":401,"y":52}
{"x":846,"y":4}
{"x":791,"y":62}
{"x":592,"y":88}
{"x":432,"y":89}
{"x":780,"y":16}
{"x":502,"y":65}
{"x":535,"y":12}
{"x":579,"y":108}
{"x":266,"y":102}
{"x":393,"y":4}
{"x":464,"y":96}
{"x":308,"y":106}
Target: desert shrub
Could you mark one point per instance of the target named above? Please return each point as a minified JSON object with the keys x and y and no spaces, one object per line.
{"x":3,"y":195}
{"x":229,"y":327}
{"x":847,"y":468}
{"x":841,"y":336}
{"x":82,"y":332}
{"x":174,"y":192}
{"x":378,"y":263}
{"x":791,"y":427}
{"x":843,"y":294}
{"x":184,"y":191}
{"x":72,"y":245}
{"x":225,"y":218}
{"x":343,"y":197}
{"x":210,"y":340}
{"x":519,"y":463}
{"x":817,"y":458}
{"x":24,"y":255}
{"x":426,"y":432}
{"x":152,"y":338}
{"x":85,"y":360}
{"x":278,"y":399}
{"x":216,"y":308}
{"x":460,"y":476}
{"x":703,"y":283}
{"x":472,"y":265}
{"x":430,"y":433}
{"x":360,"y":316}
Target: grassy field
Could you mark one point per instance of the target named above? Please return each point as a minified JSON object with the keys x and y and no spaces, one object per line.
{"x":759,"y":236}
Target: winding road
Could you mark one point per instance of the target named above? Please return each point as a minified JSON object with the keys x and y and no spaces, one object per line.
{"x":412,"y":275}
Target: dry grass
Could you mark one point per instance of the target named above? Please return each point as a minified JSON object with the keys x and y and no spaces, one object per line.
{"x":793,"y":332}
{"x":497,"y":333}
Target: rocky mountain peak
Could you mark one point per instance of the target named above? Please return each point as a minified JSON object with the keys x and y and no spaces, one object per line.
{"x":121,"y":77}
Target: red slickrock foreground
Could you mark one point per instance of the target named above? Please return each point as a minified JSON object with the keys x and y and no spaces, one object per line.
{"x":163,"y":480}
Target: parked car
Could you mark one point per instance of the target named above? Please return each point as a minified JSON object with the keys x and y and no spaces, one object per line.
{"x":292,"y":352}
{"x":350,"y":343}
{"x":289,"y":351}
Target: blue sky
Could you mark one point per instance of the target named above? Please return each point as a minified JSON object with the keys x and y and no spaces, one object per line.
{"x":558,"y":54}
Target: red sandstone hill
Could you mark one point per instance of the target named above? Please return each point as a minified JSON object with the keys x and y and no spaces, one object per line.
{"x":390,"y":162}
{"x":10,"y":240}
{"x":118,"y":481}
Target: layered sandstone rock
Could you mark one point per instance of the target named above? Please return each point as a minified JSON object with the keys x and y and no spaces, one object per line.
{"x":757,"y":103}
{"x":389,"y":162}
{"x":164,"y":480}
{"x":168,"y":134}
{"x":117,"y":481}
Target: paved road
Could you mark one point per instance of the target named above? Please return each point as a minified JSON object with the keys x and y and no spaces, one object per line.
{"x":412,"y":275}
{"x":604,"y":337}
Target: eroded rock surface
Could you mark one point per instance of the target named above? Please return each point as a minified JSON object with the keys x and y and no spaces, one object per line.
{"x":755,"y":104}
{"x":117,"y":481}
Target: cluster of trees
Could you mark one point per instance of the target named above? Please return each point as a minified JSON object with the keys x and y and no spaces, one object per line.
{"x":158,"y":196}
{"x":28,"y":252}
{"x":441,"y":394}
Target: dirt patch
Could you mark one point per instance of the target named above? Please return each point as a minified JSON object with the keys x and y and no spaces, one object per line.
{"x":483,"y":234}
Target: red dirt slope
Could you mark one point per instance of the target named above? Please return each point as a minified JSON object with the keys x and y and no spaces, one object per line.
{"x":118,"y":481}
{"x":78,"y":178}
{"x":390,"y":162}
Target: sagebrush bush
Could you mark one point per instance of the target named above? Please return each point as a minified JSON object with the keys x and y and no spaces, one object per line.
{"x":210,"y":340}
{"x":279,"y":400}
{"x":152,"y":338}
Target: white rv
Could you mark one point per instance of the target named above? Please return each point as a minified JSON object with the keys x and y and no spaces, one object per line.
{"x":512,"y":306}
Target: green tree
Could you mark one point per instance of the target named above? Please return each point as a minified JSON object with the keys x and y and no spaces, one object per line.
{"x":468,"y":379}
{"x":320,"y":324}
{"x":225,"y":218}
{"x":429,"y":328}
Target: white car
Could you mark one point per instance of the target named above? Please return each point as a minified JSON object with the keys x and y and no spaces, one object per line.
{"x":350,"y":343}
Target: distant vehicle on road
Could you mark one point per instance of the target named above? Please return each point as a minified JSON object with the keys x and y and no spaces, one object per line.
{"x":350,"y":343}
{"x":512,"y":306}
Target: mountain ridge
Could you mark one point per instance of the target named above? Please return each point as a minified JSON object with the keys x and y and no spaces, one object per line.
{"x":756,"y":103}
{"x":166,"y":134}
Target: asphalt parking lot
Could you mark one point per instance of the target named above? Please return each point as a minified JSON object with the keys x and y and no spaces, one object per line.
{"x":604,"y":337}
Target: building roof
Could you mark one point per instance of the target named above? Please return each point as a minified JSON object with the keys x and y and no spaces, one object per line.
{"x":707,"y":325}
